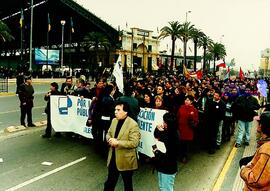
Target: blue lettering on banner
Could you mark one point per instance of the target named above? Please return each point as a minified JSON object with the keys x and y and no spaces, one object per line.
{"x":147,"y":115}
{"x":140,"y":145}
{"x":82,"y":112}
{"x":81,"y":103}
{"x":146,"y":126}
{"x":87,"y":130}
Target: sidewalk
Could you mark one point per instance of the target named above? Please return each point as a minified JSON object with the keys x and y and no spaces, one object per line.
{"x":249,"y":151}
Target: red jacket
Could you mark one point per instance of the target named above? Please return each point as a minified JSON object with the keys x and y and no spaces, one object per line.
{"x":187,"y":118}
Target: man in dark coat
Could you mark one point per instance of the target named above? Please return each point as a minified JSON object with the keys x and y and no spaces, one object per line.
{"x":244,"y":110}
{"x":214,"y":113}
{"x":26,"y":92}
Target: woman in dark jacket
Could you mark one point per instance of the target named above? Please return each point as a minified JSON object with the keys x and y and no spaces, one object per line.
{"x":165,"y":160}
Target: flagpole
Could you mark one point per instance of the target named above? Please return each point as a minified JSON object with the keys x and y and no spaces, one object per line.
{"x":47,"y":55}
{"x":70,"y":40}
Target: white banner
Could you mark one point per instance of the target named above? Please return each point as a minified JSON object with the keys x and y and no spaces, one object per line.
{"x":148,"y":119}
{"x":69,"y":114}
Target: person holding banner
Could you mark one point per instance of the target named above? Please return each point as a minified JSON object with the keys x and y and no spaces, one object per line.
{"x":53,"y":91}
{"x":165,"y":151}
{"x":123,"y":138}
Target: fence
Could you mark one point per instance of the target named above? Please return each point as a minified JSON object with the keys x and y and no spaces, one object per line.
{"x":3,"y":84}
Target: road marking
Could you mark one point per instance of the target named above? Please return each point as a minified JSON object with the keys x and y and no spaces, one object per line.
{"x":12,"y":111}
{"x":224,"y":171}
{"x":45,"y":175}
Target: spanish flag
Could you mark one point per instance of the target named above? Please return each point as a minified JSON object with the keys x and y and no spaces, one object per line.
{"x":49,"y":23}
{"x":21,"y":19}
{"x":71,"y":25}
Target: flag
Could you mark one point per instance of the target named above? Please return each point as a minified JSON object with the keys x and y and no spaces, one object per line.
{"x":199,"y":74}
{"x":241,"y":74}
{"x":221,"y":63}
{"x":262,"y":87}
{"x":21,"y":19}
{"x":185,"y":71}
{"x":71,"y":25}
{"x":118,"y":74}
{"x":49,"y":23}
{"x":227,"y":74}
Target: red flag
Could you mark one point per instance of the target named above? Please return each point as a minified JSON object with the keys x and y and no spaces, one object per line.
{"x":241,"y":74}
{"x":199,"y":74}
{"x":221,"y":63}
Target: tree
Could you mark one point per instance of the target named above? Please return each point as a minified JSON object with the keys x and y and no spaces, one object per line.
{"x":196,"y":35}
{"x":185,"y":35}
{"x":5,"y":33}
{"x":218,"y":50}
{"x":97,"y":40}
{"x":205,"y":42}
{"x":173,"y":30}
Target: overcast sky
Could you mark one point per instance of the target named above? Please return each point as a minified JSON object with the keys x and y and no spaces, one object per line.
{"x":243,"y":26}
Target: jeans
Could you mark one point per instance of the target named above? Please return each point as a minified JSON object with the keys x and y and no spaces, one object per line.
{"x":219,"y":133}
{"x":243,"y":131}
{"x":166,"y":181}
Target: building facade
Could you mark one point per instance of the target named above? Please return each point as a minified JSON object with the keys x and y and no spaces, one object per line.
{"x":140,"y":50}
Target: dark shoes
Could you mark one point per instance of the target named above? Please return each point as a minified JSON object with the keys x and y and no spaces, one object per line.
{"x":31,"y":125}
{"x":237,"y":145}
{"x":23,"y":124}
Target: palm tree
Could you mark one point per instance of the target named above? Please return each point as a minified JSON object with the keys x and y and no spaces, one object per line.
{"x":185,"y":35}
{"x":5,"y":33}
{"x":173,"y":30}
{"x":205,"y":42}
{"x":96,"y":40}
{"x":196,"y":35}
{"x":218,"y":50}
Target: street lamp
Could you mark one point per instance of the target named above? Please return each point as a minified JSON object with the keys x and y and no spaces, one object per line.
{"x":31,"y":39}
{"x":63,"y":22}
{"x":187,"y":14}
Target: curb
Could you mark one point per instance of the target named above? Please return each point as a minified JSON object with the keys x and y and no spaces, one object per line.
{"x":13,"y":129}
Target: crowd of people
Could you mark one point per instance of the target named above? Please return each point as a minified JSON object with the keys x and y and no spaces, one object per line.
{"x":206,"y":110}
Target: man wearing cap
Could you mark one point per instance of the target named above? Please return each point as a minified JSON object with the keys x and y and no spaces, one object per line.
{"x":26,"y":92}
{"x":256,"y":173}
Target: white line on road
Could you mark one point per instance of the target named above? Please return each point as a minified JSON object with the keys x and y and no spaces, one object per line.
{"x":12,"y":111}
{"x":45,"y":175}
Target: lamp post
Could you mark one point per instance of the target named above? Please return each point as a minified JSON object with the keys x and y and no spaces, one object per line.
{"x":31,"y":38}
{"x":187,"y":14}
{"x":63,"y":22}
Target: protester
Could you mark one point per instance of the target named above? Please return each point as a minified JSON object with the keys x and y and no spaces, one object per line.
{"x":188,"y":118}
{"x":123,"y":138}
{"x":165,"y":160}
{"x":132,"y":101}
{"x":107,"y":114}
{"x":244,"y":110}
{"x":68,"y":87}
{"x":26,"y":96}
{"x":214,"y":115}
{"x":47,"y":97}
{"x":256,"y":173}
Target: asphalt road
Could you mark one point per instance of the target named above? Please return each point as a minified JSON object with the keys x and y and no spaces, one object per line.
{"x":23,"y":152}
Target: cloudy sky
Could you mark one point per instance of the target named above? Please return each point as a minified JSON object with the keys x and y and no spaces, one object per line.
{"x":243,"y":26}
